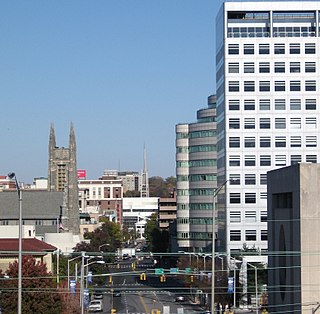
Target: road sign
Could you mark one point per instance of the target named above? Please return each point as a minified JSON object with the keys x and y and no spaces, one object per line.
{"x":174,"y":270}
{"x":159,"y":271}
{"x":188,"y":270}
{"x":230,"y":284}
{"x":72,"y":285}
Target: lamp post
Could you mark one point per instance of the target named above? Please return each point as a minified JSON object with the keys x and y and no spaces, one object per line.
{"x":102,"y":245}
{"x":12,"y":175}
{"x":68,"y":274}
{"x":88,"y":264}
{"x":215,"y":193}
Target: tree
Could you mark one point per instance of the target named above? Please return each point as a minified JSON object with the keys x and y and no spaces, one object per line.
{"x":158,"y":239}
{"x":158,"y":187}
{"x":39,"y":292}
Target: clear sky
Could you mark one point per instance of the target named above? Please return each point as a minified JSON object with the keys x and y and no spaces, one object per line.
{"x":125,"y":72}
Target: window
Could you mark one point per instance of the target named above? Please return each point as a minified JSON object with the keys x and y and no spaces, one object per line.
{"x":311,"y":158}
{"x":249,"y":160}
{"x":265,"y":141}
{"x":265,"y":160}
{"x":234,"y":104}
{"x":248,"y":67}
{"x":264,"y":235}
{"x":250,"y":179}
{"x":311,"y":123}
{"x":235,"y":216}
{"x":295,"y":159}
{"x":310,"y":67}
{"x":264,"y":123}
{"x":295,"y":141}
{"x":234,"y":179}
{"x":294,"y":67}
{"x":235,"y":235}
{"x":310,"y":86}
{"x":248,"y":49}
{"x":294,"y":49}
{"x":280,"y":160}
{"x":234,"y":142}
{"x":295,"y":123}
{"x":295,"y":86}
{"x":280,"y":141}
{"x":263,"y":216}
{"x":264,"y":104}
{"x":280,"y":123}
{"x":234,"y":161}
{"x":251,"y":235}
{"x":264,"y":86}
{"x":249,"y":104}
{"x":310,"y":48}
{"x":311,"y":141}
{"x":264,"y":49}
{"x":249,"y":123}
{"x":235,"y":198}
{"x":263,"y":179}
{"x":233,"y":49}
{"x":264,"y":67}
{"x":279,"y":67}
{"x":311,"y":104}
{"x":250,"y":216}
{"x":234,"y":123}
{"x":249,"y":142}
{"x":279,"y":49}
{"x":249,"y":86}
{"x":279,"y":86}
{"x":250,"y":198}
{"x":295,"y":104}
{"x":280,"y":104}
{"x":233,"y":67}
{"x":234,"y":86}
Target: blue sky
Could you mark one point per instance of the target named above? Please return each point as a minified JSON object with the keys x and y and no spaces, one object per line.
{"x":125,"y":72}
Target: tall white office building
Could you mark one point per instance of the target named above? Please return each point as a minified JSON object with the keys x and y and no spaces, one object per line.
{"x":267,"y":75}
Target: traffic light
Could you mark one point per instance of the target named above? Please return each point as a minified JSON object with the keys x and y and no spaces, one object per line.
{"x":143,"y":276}
{"x":110,"y":279}
{"x":162,"y":278}
{"x":191,"y":278}
{"x":113,"y":311}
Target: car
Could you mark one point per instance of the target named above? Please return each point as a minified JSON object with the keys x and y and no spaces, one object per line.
{"x":97,"y":295}
{"x":180,"y":298}
{"x":96,"y":306}
{"x":117,"y":293}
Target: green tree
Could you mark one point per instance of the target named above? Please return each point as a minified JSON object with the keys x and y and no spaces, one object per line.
{"x":158,"y":240}
{"x":158,"y":187}
{"x":39,"y":292}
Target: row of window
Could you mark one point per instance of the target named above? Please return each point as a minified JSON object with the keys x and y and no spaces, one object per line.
{"x":249,"y":179}
{"x":279,"y":123}
{"x":266,"y":160}
{"x":278,"y":104}
{"x":279,"y":86}
{"x":250,"y":235}
{"x":194,"y":192}
{"x":196,"y":134}
{"x":194,"y":221}
{"x":196,"y":163}
{"x":281,"y":141}
{"x":249,"y":197}
{"x":278,"y":49}
{"x":195,"y":206}
{"x":197,"y":177}
{"x":250,"y":216}
{"x":278,"y":67}
{"x":194,"y":235}
{"x":289,"y":31}
{"x":196,"y":149}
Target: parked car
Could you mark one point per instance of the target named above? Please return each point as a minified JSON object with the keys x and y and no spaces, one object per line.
{"x":96,"y":306}
{"x":97,"y":295}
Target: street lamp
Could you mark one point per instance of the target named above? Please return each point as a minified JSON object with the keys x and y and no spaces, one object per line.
{"x":102,"y":245}
{"x":70,"y":260}
{"x":12,"y":175}
{"x":215,"y":193}
{"x":94,"y":262}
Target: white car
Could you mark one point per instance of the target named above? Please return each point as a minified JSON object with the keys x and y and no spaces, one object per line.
{"x":95,"y":306}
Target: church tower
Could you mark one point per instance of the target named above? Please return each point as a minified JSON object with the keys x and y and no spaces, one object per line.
{"x":62,"y":177}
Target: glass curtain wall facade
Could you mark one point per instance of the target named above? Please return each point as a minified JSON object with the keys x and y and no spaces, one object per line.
{"x":196,"y":179}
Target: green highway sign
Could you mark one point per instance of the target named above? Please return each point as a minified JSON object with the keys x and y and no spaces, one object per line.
{"x":159,"y":271}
